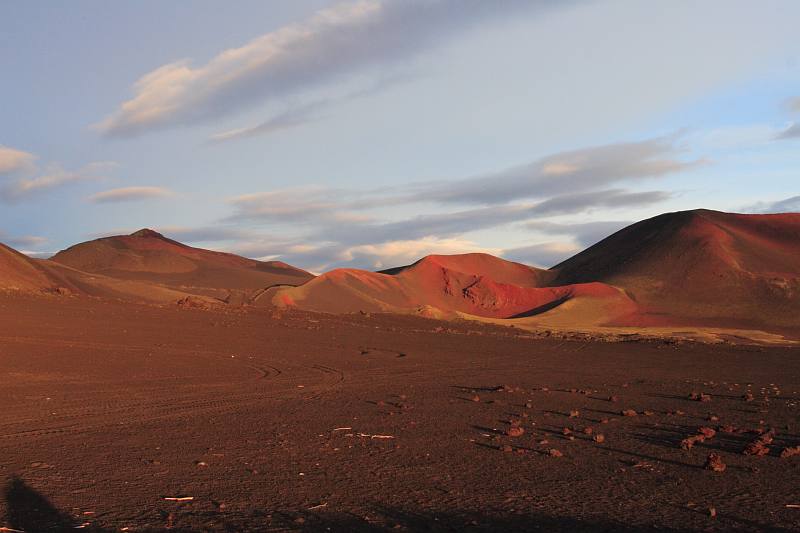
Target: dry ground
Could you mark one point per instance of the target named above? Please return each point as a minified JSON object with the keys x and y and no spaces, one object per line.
{"x":279,"y":422}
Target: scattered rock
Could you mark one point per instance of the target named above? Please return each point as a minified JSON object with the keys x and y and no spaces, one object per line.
{"x":628,"y":412}
{"x":707,"y":432}
{"x":715,"y":463}
{"x":574,"y":413}
{"x":756,"y":448}
{"x":555,"y":453}
{"x":790,"y":452}
{"x":476,"y":398}
{"x":700,"y":397}
{"x":689,"y":442}
{"x":515,"y":431}
{"x":599,"y":438}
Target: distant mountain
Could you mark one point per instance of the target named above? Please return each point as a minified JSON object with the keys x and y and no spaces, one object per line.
{"x":690,"y":268}
{"x":19,"y":272}
{"x":472,"y":284}
{"x":701,"y":267}
{"x":150,"y":257}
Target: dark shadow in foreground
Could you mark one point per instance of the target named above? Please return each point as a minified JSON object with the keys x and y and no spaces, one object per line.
{"x":29,"y":511}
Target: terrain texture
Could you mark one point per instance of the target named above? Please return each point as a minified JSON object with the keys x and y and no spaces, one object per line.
{"x":131,"y":417}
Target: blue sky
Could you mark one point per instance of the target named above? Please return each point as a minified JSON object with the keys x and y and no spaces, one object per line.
{"x":368,"y":133}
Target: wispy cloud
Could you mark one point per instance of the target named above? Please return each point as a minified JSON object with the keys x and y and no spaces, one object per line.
{"x":333,"y":221}
{"x":790,"y":132}
{"x":584,"y":233}
{"x":542,"y":255}
{"x":13,"y":160}
{"x":786,"y":205}
{"x":578,"y":170}
{"x":26,"y":241}
{"x":129,"y":194}
{"x":53,"y":178}
{"x":331,"y":45}
{"x":297,"y":115}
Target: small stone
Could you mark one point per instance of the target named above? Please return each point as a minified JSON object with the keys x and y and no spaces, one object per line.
{"x":555,"y":453}
{"x":476,"y":398}
{"x":715,"y":463}
{"x":707,"y":432}
{"x":790,"y":452}
{"x":515,"y":431}
{"x":599,"y":438}
{"x":574,"y":413}
{"x":628,"y":412}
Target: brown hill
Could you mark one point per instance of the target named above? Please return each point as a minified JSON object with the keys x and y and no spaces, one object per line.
{"x":150,"y":257}
{"x":472,"y":284}
{"x":701,"y":267}
{"x":20,"y":272}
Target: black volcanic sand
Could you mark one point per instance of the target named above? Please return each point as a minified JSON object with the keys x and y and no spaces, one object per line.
{"x":278,"y":422}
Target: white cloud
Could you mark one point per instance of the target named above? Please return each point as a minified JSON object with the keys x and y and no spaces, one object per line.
{"x":786,"y":205}
{"x":331,"y":45}
{"x":12,"y":160}
{"x":23,"y":240}
{"x":567,"y":172}
{"x":53,"y":178}
{"x":129,"y":194}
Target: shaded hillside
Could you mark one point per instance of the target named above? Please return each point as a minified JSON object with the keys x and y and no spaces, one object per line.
{"x":19,"y":272}
{"x":701,"y":265}
{"x":149,"y":256}
{"x":473,"y":284}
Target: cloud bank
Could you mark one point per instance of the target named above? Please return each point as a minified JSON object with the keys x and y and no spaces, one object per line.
{"x":331,"y":45}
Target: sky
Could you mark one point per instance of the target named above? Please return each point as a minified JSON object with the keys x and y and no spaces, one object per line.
{"x":369,"y":133}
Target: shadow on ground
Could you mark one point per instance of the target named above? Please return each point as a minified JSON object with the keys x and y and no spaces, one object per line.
{"x":28,"y":511}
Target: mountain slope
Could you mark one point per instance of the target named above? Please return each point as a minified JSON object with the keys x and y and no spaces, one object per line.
{"x":701,"y":265}
{"x":149,"y":256}
{"x":20,"y":272}
{"x":471,"y":284}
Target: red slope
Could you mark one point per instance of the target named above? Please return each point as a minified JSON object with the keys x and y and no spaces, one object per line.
{"x":730,"y":269}
{"x":19,"y":272}
{"x":149,"y":256}
{"x":476,"y":284}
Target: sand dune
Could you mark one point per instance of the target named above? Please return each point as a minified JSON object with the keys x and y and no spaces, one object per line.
{"x":150,"y":257}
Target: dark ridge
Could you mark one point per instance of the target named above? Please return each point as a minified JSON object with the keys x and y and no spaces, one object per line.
{"x":147,"y":232}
